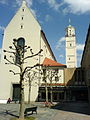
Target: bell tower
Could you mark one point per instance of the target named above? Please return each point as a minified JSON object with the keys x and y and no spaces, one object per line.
{"x":70,"y":47}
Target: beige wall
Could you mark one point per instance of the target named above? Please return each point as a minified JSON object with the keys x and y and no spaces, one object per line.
{"x":31,"y":31}
{"x":69,"y":76}
{"x":85,"y":63}
{"x":60,"y":75}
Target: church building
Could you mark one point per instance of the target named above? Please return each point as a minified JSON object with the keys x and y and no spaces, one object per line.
{"x":23,"y":26}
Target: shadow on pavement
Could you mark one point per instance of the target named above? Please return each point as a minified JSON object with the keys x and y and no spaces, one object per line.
{"x":77,"y":107}
{"x":11,"y":113}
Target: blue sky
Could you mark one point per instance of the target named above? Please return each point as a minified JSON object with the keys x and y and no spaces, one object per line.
{"x":53,"y":16}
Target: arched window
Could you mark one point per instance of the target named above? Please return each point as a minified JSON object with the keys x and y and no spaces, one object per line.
{"x":20,"y":49}
{"x":21,"y":42}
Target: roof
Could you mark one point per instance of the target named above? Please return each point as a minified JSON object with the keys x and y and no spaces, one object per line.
{"x":52,"y":63}
{"x":88,"y":35}
{"x":46,"y":41}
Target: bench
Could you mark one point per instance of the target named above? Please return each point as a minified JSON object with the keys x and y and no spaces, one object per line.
{"x":31,"y":109}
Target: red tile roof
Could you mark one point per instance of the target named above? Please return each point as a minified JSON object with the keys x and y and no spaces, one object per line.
{"x":49,"y":62}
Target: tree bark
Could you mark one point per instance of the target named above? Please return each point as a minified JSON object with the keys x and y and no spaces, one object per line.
{"x":21,"y":112}
{"x":29,"y":91}
{"x":51,"y":95}
{"x":46,"y":92}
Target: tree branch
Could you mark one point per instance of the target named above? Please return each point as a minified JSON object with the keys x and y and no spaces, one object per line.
{"x":11,"y":62}
{"x":14,"y":72}
{"x":8,"y":51}
{"x":29,"y":68}
{"x":32,"y":55}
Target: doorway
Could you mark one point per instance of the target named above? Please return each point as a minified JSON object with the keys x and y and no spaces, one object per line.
{"x":16,"y":92}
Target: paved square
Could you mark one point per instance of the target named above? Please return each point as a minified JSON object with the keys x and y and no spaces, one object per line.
{"x":62,"y":111}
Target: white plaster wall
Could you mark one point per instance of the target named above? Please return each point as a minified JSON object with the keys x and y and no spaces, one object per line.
{"x":32,"y":33}
{"x":6,"y":80}
{"x":60,"y":76}
{"x":71,"y":52}
{"x":46,"y":51}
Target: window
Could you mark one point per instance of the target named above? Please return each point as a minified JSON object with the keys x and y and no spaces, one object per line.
{"x":21,"y":42}
{"x":56,"y":78}
{"x":70,"y":32}
{"x":70,"y":44}
{"x":21,"y":26}
{"x":43,"y":95}
{"x":20,"y":45}
{"x":69,"y":58}
{"x":22,"y":18}
{"x":16,"y":92}
{"x":23,"y":9}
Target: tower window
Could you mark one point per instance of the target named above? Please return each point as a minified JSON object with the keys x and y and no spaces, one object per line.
{"x":22,"y":18}
{"x":21,"y":26}
{"x":69,"y":58}
{"x":70,"y":32}
{"x":23,"y":9}
{"x":70,"y":44}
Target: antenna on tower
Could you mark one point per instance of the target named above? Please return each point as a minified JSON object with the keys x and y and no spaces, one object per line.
{"x":69,"y":21}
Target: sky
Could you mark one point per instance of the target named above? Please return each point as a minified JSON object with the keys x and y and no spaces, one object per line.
{"x":53,"y":16}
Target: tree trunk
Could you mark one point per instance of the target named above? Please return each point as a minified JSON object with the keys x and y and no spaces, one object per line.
{"x":21,"y":112}
{"x":51,"y":95}
{"x":46,"y":92}
{"x":29,"y":91}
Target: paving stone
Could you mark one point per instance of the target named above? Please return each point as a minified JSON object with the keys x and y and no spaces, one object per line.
{"x":65,"y":111}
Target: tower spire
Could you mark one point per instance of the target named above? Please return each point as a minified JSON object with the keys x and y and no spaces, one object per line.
{"x":24,"y":1}
{"x":69,"y":21}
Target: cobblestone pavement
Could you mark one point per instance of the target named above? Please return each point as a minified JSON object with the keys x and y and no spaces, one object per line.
{"x":61,"y":111}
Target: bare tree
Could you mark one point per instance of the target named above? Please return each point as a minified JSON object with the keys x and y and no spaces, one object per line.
{"x":52,"y":77}
{"x":17,"y":53}
{"x":30,"y":76}
{"x":49,"y":75}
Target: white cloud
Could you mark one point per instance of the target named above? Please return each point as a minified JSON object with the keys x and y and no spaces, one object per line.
{"x":41,"y":1}
{"x":18,"y":2}
{"x":80,"y":47}
{"x":60,"y":43}
{"x":61,"y":56}
{"x":69,"y":6}
{"x":4,"y":1}
{"x":0,"y":50}
{"x":77,"y":6}
{"x":53,"y":4}
{"x":29,"y":2}
{"x":0,"y":53}
{"x":79,"y":57}
{"x":33,"y":12}
{"x":47,"y":18}
{"x":2,"y":28}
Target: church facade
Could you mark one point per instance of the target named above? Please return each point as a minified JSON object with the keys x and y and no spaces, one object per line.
{"x":23,"y":25}
{"x":62,"y":83}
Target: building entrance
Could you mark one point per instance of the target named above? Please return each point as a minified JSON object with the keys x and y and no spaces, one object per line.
{"x":16,"y":92}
